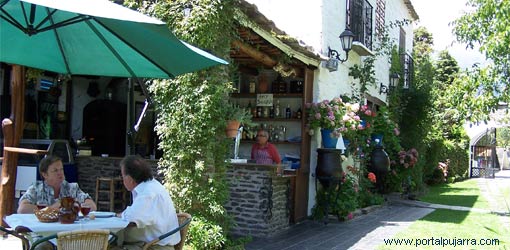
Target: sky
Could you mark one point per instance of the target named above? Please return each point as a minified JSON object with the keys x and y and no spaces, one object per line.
{"x":436,"y":16}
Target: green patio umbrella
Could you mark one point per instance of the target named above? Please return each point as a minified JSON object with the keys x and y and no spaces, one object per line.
{"x":93,"y":37}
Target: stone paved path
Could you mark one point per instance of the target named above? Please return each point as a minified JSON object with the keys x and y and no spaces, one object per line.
{"x":494,"y":190}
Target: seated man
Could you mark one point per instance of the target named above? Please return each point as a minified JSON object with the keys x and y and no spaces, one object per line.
{"x":50,"y":191}
{"x":152,"y":212}
{"x":52,"y":188}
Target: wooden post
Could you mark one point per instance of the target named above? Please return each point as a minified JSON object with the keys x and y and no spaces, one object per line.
{"x":13,"y":131}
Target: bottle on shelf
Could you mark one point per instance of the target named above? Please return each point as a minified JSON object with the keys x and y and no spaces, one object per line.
{"x":298,"y":113}
{"x":283,"y":133}
{"x":252,"y":86}
{"x":288,"y":112}
{"x":277,"y":113}
{"x":259,"y":112}
{"x":248,"y":108}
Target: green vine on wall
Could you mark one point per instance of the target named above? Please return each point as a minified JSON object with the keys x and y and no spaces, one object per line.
{"x":191,"y":118}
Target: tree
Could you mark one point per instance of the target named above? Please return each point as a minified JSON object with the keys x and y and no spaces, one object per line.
{"x":487,"y":26}
{"x":447,"y":69}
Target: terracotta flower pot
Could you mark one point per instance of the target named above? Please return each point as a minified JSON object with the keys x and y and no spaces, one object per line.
{"x":232,"y":127}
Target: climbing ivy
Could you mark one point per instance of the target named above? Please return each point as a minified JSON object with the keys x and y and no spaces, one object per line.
{"x":191,"y":118}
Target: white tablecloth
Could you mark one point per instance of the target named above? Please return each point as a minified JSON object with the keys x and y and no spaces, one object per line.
{"x":114,"y":224}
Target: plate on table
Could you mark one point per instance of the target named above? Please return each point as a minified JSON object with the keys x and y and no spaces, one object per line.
{"x":101,"y":214}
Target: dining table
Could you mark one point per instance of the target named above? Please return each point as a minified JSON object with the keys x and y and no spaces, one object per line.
{"x":30,"y":221}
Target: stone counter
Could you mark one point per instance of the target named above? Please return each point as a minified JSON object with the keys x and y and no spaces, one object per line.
{"x":259,"y":199}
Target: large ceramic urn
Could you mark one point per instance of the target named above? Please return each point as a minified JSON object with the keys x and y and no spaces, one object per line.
{"x":379,"y":165}
{"x":379,"y":160}
{"x":329,"y":166}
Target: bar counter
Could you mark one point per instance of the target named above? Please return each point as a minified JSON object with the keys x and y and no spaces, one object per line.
{"x":260,"y":198}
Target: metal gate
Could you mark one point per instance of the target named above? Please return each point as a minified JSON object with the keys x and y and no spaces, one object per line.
{"x":483,"y":156}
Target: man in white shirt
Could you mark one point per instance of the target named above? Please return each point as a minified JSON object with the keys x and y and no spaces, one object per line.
{"x":152,"y":212}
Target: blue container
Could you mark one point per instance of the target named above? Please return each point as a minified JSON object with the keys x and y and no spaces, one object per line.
{"x":328,"y":140}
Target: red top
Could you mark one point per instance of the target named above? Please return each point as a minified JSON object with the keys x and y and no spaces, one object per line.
{"x":267,"y":154}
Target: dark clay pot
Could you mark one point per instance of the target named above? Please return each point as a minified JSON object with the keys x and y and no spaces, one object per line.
{"x":329,"y":166}
{"x":379,"y":161}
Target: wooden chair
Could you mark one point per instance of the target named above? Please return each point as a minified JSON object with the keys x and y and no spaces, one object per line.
{"x":24,"y":241}
{"x":80,"y":240}
{"x":184,"y":220}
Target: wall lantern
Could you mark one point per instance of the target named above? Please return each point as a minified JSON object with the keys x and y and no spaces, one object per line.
{"x":346,"y":39}
{"x":394,"y":78}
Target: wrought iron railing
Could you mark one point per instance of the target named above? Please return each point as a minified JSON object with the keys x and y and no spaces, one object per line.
{"x":407,"y":69}
{"x":359,"y":20}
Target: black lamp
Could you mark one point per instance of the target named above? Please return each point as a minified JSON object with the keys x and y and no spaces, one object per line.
{"x":346,"y":39}
{"x":394,"y":78}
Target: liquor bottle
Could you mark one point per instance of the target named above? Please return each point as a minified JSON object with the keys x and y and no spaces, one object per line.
{"x":277,"y":113}
{"x":248,"y":108}
{"x":298,"y":113}
{"x":271,"y":111}
{"x":288,"y":112}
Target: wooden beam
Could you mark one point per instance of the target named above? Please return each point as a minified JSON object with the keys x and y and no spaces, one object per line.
{"x":254,"y":53}
{"x":13,"y":130}
{"x":26,"y":151}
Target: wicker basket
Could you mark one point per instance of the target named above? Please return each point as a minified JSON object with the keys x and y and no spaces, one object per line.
{"x":47,"y":214}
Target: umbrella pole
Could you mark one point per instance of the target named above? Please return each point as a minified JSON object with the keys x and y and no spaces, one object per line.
{"x":13,"y":131}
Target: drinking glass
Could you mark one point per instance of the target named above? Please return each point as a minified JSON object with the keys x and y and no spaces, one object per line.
{"x":40,"y":205}
{"x":85,"y":210}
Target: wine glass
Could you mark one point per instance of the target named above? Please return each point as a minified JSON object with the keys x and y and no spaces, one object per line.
{"x":41,"y":204}
{"x":85,"y":210}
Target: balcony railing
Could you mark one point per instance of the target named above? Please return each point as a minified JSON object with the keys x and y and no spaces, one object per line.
{"x":359,"y":20}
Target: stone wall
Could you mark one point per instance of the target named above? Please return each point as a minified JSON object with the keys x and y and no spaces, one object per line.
{"x":91,"y":167}
{"x":258,"y":200}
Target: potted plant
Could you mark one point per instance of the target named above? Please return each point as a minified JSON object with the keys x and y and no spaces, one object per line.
{"x":333,"y":117}
{"x":235,"y":117}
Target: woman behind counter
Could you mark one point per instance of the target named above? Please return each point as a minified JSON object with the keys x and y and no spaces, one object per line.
{"x":264,"y":152}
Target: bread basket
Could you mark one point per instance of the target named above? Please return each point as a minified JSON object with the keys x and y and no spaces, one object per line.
{"x":46,"y":214}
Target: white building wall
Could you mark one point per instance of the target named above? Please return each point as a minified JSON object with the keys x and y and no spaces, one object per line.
{"x":318,"y":24}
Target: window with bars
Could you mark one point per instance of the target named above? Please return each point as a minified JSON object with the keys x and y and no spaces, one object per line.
{"x":408,"y":69}
{"x":380,"y":15}
{"x":359,"y":20}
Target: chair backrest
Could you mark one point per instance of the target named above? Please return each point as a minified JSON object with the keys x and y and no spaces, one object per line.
{"x":83,"y":240}
{"x":182,"y":217}
{"x":24,"y":241}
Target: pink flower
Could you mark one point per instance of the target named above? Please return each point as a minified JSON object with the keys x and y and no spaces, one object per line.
{"x":350,"y":216}
{"x":396,"y":131}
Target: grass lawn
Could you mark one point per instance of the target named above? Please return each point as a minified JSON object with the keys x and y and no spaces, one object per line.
{"x":465,"y":193}
{"x":449,"y":229}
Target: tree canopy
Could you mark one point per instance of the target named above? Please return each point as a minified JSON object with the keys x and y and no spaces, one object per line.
{"x":481,"y":89}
